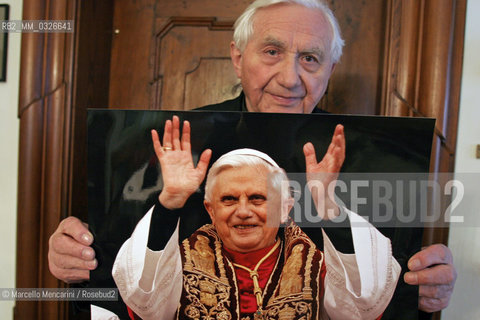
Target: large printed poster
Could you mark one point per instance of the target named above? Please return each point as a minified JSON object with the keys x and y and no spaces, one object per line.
{"x":383,"y":156}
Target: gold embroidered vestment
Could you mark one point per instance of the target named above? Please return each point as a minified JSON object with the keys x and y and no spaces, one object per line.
{"x":210,"y":291}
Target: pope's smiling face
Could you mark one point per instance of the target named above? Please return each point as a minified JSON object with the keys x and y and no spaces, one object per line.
{"x":287,"y":62}
{"x":238,"y":208}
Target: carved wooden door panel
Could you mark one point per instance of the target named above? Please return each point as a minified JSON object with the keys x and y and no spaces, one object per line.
{"x":172,"y":55}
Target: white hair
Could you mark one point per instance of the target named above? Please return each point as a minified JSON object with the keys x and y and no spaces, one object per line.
{"x":244,"y":24}
{"x":252,"y":158}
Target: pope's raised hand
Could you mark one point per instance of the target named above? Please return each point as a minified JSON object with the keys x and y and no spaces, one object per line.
{"x":321,"y":176}
{"x":180,"y":176}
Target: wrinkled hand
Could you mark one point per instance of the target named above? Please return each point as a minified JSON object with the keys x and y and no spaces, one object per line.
{"x":433,"y":270}
{"x":180,"y":177}
{"x":70,"y":257}
{"x":321,"y":175}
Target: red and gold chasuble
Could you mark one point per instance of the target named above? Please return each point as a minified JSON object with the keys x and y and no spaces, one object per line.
{"x":293,"y":290}
{"x":248,"y":301}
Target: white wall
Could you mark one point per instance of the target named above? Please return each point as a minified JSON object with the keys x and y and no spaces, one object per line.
{"x":465,"y":241}
{"x":9,"y":131}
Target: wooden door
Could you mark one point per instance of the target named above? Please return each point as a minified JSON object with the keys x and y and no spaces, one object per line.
{"x":177,"y":58}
